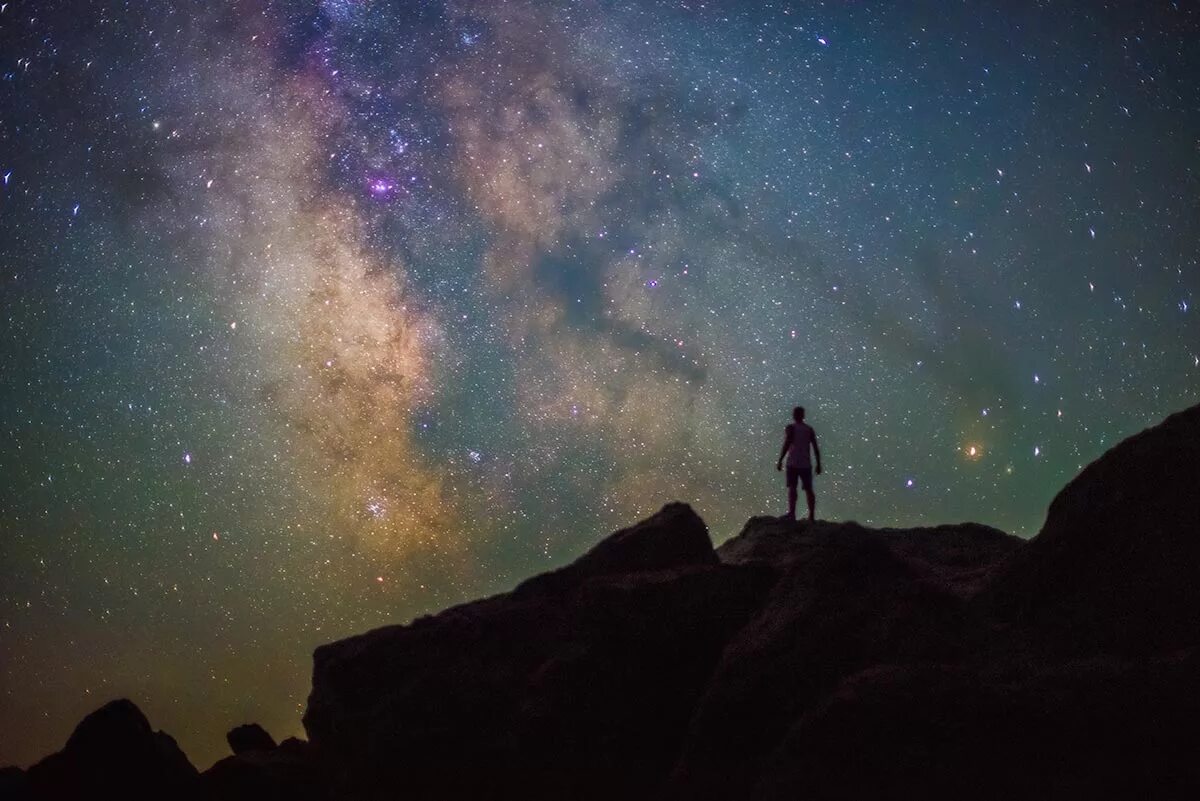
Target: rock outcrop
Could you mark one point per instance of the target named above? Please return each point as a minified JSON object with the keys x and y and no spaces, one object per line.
{"x":847,"y":599}
{"x":249,"y":737}
{"x":1116,"y":568}
{"x":579,"y":684}
{"x":289,"y":771}
{"x":1087,"y":729}
{"x":113,"y":753}
{"x":838,"y":661}
{"x":651,"y":667}
{"x":823,"y":661}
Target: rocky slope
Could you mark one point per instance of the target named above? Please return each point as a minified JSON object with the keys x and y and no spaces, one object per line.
{"x":1116,"y":567}
{"x":823,"y":661}
{"x":113,"y":753}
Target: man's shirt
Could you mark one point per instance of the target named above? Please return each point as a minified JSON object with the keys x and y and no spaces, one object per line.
{"x":803,"y":438}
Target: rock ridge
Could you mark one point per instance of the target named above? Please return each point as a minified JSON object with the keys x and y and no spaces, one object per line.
{"x":824,"y":661}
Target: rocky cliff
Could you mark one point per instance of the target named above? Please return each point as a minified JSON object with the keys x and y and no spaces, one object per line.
{"x":817,"y":661}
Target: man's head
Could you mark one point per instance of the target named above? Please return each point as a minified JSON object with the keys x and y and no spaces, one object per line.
{"x":798,"y":414}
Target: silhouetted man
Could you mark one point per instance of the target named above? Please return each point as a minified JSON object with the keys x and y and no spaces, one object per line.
{"x":797,"y":439}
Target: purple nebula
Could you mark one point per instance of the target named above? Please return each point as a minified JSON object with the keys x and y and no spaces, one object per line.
{"x":382,"y":187}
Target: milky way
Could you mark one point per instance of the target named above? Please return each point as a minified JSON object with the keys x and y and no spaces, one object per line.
{"x":318,"y":316}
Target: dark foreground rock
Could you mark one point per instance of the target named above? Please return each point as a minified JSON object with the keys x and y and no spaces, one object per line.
{"x":824,"y":661}
{"x":289,"y":771}
{"x":630,"y":675}
{"x":1117,"y":565}
{"x":1088,"y":729}
{"x":579,"y":684}
{"x":846,"y":599}
{"x":249,"y":737}
{"x":113,"y":753}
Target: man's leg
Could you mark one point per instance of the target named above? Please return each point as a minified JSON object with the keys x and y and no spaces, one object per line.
{"x":792,"y":478}
{"x":806,"y":479}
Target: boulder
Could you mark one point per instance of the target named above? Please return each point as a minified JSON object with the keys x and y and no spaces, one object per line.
{"x":114,"y":753}
{"x":847,"y":598}
{"x":675,"y":537}
{"x":1078,"y":731}
{"x":1116,"y":567}
{"x":580,"y":685}
{"x":287,"y":772}
{"x":249,"y":737}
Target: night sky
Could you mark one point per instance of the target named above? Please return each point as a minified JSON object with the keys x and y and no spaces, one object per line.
{"x":317,"y":316}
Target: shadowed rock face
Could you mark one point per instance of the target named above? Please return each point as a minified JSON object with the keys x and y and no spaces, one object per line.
{"x":249,"y":737}
{"x":113,"y":753}
{"x":1090,"y":729}
{"x":846,"y":599}
{"x":287,"y":772}
{"x":823,"y":661}
{"x":1117,"y":565}
{"x":579,"y":684}
{"x":634,"y":676}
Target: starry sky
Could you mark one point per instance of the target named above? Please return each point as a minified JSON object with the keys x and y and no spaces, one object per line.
{"x":319,"y":315}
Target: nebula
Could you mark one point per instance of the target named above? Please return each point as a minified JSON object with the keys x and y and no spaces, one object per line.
{"x":334,"y":343}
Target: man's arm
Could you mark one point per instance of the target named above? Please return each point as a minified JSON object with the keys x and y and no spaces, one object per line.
{"x":817,"y":451}
{"x":787,"y":440}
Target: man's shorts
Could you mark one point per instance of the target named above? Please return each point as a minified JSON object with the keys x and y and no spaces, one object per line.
{"x":803,"y":474}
